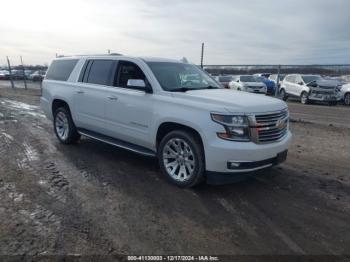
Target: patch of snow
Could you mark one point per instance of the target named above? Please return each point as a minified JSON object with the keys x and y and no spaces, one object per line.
{"x":30,"y":152}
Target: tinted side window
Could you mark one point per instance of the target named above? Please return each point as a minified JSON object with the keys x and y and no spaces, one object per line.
{"x":126,"y":71}
{"x":290,"y":78}
{"x":100,"y":72}
{"x":60,"y":70}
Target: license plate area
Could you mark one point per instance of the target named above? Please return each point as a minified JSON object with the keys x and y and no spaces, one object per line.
{"x":281,"y":157}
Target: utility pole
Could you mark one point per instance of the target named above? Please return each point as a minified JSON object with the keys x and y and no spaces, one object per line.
{"x":202,"y":55}
{"x":10,"y":71}
{"x":109,"y":51}
{"x":278,"y":80}
{"x":24,"y":75}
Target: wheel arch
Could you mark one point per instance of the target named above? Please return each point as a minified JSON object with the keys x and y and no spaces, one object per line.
{"x":166,"y":127}
{"x":57,"y":103}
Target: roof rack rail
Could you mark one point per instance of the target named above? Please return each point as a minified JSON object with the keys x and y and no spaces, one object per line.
{"x":115,"y":54}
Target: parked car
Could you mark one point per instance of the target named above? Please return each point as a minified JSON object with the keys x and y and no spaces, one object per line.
{"x":345,"y":94}
{"x":38,"y":76}
{"x":248,"y":83}
{"x":198,"y":131}
{"x":17,"y":74}
{"x":270,"y":85}
{"x":274,"y":79}
{"x":4,"y":75}
{"x":224,"y":80}
{"x":310,"y":88}
{"x":27,"y":73}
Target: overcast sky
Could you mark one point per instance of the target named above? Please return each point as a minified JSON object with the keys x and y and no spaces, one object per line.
{"x":234,"y":31}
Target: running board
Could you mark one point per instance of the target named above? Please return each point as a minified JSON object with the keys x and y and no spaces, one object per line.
{"x":116,"y":142}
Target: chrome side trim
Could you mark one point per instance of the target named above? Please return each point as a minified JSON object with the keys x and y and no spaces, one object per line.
{"x":249,"y":169}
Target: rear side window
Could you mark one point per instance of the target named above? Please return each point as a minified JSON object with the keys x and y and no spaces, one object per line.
{"x":100,"y":72}
{"x":60,"y":70}
{"x":290,"y":78}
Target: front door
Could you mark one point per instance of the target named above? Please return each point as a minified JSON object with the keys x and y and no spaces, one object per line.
{"x":129,"y":111}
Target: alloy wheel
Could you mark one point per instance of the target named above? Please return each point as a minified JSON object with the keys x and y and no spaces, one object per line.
{"x":304,"y":98}
{"x":178,"y":159}
{"x":62,"y":125}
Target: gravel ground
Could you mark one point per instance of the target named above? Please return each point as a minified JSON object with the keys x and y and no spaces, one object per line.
{"x":94,"y":199}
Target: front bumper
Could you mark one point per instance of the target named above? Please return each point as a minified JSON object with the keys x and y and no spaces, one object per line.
{"x":220,"y":178}
{"x":220,"y":152}
{"x":324,"y":98}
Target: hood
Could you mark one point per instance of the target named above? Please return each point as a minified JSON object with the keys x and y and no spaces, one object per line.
{"x":345,"y":88}
{"x":232,"y":101}
{"x":329,"y":84}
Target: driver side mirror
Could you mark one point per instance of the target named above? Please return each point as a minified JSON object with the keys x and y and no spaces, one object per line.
{"x":237,"y":81}
{"x":139,"y":84}
{"x":301,"y":83}
{"x":136,"y":83}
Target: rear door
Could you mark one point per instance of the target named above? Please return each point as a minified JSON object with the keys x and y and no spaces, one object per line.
{"x":129,"y":110}
{"x":299,"y":85}
{"x":289,"y":84}
{"x":91,"y":94}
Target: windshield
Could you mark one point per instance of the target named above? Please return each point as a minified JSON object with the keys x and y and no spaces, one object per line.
{"x":248,"y":79}
{"x":260,"y":78}
{"x":179,"y":76}
{"x":225,"y":78}
{"x":310,"y":78}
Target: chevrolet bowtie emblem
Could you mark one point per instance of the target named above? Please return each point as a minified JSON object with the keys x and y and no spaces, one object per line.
{"x":280,"y":124}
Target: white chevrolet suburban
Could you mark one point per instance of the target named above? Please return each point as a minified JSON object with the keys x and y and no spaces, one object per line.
{"x":198,"y":130}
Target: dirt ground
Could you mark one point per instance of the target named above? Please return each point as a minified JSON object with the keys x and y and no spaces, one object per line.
{"x":92,"y":198}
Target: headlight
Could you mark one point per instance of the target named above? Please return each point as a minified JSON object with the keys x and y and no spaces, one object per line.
{"x":236,"y":127}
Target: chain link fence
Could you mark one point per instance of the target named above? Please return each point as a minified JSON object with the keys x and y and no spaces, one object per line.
{"x":21,"y":76}
{"x":335,"y":71}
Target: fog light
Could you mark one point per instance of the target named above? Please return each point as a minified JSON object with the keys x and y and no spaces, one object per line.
{"x":233,"y":165}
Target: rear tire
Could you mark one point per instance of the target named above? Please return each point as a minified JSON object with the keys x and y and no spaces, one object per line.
{"x":181,"y":158}
{"x":283,"y":94}
{"x":64,"y":128}
{"x":304,"y":98}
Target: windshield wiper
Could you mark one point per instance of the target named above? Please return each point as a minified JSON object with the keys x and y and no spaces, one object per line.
{"x":182,"y":89}
{"x":210,"y":87}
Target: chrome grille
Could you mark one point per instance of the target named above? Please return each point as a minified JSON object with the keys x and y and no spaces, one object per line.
{"x":271,"y":127}
{"x":318,"y":92}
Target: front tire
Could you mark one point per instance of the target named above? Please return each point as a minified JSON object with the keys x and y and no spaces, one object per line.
{"x":304,"y":98}
{"x":347,"y":99}
{"x":181,"y":158}
{"x":283,"y":94}
{"x":64,"y":127}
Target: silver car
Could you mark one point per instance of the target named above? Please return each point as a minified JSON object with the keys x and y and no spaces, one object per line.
{"x":248,"y":83}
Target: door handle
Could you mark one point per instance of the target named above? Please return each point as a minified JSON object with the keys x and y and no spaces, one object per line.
{"x":112,"y":97}
{"x":80,"y":92}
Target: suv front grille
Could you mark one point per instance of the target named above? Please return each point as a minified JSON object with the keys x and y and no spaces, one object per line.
{"x":319,"y":92}
{"x":271,"y":127}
